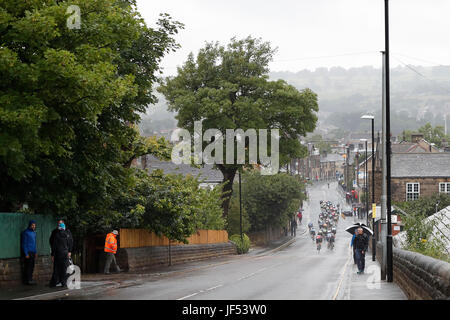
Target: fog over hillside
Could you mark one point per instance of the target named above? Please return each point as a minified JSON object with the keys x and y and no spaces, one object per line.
{"x":418,"y":95}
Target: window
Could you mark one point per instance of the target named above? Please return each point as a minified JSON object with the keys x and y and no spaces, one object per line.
{"x":412,"y":191}
{"x":444,"y":187}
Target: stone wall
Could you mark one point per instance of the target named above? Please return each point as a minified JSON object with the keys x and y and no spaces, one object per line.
{"x":11,"y":271}
{"x":421,"y":277}
{"x":263,"y":238}
{"x":428,"y":187}
{"x":140,"y":259}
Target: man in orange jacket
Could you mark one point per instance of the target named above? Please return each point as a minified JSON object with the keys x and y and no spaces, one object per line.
{"x":111,"y":249}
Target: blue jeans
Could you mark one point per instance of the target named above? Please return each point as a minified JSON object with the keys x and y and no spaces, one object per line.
{"x":360,"y":259}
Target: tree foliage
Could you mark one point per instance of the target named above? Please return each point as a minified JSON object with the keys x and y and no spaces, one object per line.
{"x":228,"y":88}
{"x":234,"y":217}
{"x":432,"y":134}
{"x":69,"y":99}
{"x":271,"y":200}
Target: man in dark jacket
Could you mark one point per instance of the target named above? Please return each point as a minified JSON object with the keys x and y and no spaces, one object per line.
{"x":29,"y":251}
{"x":361,"y":243}
{"x":61,"y":243}
{"x":293,"y":227}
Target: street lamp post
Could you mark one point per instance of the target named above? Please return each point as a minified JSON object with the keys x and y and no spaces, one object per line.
{"x":366,"y":189}
{"x":372,"y":118}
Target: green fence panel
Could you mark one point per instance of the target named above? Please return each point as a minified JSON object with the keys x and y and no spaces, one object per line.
{"x":12,"y":225}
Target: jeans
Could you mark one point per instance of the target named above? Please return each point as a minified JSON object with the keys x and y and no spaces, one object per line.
{"x":360,"y":259}
{"x":28,"y":268}
{"x":110,"y":257}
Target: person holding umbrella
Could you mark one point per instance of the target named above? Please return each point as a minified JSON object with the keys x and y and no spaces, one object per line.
{"x":361,"y":244}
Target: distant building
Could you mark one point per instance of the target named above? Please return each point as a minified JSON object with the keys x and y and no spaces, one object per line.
{"x":207,"y":175}
{"x":416,"y":175}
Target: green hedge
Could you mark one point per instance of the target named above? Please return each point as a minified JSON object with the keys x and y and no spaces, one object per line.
{"x":242,"y":246}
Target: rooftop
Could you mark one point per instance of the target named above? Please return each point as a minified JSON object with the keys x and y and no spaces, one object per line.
{"x":206,"y":174}
{"x":420,"y":165}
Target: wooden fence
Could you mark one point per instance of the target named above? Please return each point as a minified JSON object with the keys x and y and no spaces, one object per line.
{"x":136,"y":238}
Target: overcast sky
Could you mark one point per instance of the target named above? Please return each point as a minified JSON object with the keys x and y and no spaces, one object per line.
{"x":313,"y":33}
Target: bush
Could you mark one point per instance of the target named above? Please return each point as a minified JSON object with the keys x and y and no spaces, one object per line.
{"x":242,"y":246}
{"x":233,"y":218}
{"x":270,"y":200}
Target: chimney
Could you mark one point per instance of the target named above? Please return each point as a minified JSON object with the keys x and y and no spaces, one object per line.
{"x":416,"y":137}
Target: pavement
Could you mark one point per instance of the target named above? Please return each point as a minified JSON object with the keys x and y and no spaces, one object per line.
{"x":366,"y":286}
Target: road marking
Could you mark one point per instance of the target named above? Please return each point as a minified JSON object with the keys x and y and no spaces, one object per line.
{"x":191,"y":295}
{"x":201,"y":291}
{"x":252,"y":274}
{"x":343,"y":276}
{"x":220,"y":285}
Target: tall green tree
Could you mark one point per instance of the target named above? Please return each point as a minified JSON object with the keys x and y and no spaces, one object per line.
{"x":271,"y":200}
{"x":228,"y":88}
{"x":69,"y":99}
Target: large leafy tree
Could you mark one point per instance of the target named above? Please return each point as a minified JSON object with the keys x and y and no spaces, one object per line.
{"x":228,"y":88}
{"x":69,"y":99}
{"x":271,"y":200}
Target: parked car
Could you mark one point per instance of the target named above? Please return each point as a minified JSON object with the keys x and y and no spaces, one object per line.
{"x":347,"y":213}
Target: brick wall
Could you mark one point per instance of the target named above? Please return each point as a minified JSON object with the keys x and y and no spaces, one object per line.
{"x":140,"y":259}
{"x":11,"y":271}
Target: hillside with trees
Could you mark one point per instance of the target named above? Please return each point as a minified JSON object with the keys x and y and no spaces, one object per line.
{"x":419,"y":95}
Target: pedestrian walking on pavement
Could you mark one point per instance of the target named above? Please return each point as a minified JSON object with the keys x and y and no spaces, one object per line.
{"x":300,"y":217}
{"x":29,"y":252}
{"x":111,"y":250}
{"x":293,"y":227}
{"x":361,"y":244}
{"x":61,"y":243}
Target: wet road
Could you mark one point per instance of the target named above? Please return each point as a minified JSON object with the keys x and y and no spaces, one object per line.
{"x":296,"y":272}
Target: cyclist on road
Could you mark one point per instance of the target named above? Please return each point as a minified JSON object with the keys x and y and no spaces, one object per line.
{"x":330,"y":239}
{"x":319,"y":239}
{"x":312,"y":232}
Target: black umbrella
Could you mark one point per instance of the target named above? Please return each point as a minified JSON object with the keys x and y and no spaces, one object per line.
{"x":352,"y":229}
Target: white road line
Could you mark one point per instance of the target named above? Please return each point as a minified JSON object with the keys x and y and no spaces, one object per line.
{"x":191,"y":295}
{"x":252,"y":274}
{"x":343,"y":276}
{"x":201,"y":291}
{"x":220,"y":285}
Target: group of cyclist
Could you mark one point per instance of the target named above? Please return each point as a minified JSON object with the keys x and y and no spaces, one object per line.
{"x":327,"y":223}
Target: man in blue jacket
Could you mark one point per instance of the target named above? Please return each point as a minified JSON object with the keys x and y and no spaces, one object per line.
{"x":29,"y":250}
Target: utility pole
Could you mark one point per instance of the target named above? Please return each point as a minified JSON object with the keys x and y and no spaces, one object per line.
{"x":383,"y":174}
{"x":366,"y":185}
{"x":374,"y":245}
{"x":389,"y":253}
